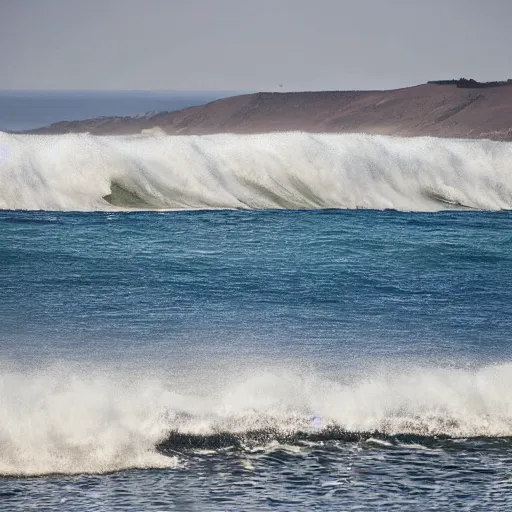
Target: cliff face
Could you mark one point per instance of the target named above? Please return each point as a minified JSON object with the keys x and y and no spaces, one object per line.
{"x":431,"y":109}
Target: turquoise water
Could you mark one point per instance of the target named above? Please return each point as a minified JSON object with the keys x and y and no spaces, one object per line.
{"x":254,"y":360}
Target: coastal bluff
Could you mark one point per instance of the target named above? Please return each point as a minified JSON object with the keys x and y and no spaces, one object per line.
{"x":447,"y":108}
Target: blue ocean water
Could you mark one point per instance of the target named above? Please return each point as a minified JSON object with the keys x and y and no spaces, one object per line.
{"x":255,"y":360}
{"x":270,"y":322}
{"x":25,"y":110}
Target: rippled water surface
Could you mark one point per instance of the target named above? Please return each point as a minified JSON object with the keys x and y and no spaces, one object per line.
{"x":228,"y":360}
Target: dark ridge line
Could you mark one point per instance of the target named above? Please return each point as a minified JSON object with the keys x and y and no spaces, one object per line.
{"x":470,"y":83}
{"x":459,"y":108}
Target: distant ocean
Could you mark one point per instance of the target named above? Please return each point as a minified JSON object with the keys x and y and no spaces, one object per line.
{"x":237,"y":323}
{"x":24,"y":110}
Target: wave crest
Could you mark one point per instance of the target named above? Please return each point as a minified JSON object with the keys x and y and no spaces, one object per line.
{"x":62,"y":422}
{"x":275,"y":170}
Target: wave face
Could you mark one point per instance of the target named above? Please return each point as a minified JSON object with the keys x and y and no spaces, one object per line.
{"x":58,"y":422}
{"x":285,"y":170}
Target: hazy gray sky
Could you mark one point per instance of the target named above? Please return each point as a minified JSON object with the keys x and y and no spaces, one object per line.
{"x":251,"y":45}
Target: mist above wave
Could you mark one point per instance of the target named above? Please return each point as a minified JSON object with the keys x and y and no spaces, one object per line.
{"x":65,"y":421}
{"x":274,"y":170}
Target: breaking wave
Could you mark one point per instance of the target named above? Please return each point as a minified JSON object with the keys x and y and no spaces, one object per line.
{"x":65,"y":422}
{"x":285,"y":170}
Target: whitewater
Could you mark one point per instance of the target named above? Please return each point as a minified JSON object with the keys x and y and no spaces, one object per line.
{"x":266,"y":346}
{"x":69,"y":421}
{"x":153,"y":171}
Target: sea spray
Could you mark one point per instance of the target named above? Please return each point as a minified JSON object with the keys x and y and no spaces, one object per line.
{"x":65,"y":421}
{"x":274,"y":170}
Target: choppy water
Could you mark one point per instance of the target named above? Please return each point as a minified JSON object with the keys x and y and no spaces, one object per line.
{"x":255,"y":360}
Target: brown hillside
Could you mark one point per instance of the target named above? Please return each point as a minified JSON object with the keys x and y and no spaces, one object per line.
{"x":431,"y":109}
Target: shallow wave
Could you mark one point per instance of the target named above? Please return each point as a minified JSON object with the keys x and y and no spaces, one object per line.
{"x":59,"y":421}
{"x":275,"y":170}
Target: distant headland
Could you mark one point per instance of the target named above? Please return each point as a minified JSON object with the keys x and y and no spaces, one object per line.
{"x":461,"y":108}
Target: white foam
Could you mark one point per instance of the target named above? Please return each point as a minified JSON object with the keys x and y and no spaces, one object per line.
{"x":72,"y":422}
{"x":67,"y":424}
{"x":285,"y":170}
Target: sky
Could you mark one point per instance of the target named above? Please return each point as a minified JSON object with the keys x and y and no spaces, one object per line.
{"x":242,"y":45}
